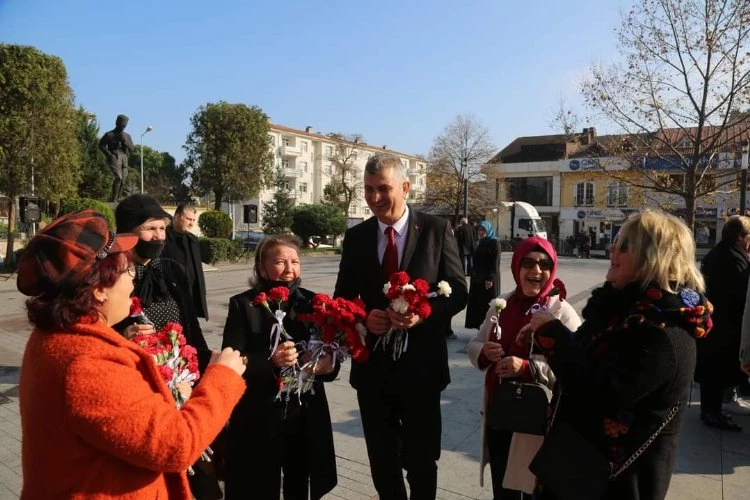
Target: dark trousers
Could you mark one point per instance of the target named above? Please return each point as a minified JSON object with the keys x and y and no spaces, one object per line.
{"x":712,"y":395}
{"x":499,"y":446}
{"x":402,"y":430}
{"x":468,"y":263}
{"x":254,"y":468}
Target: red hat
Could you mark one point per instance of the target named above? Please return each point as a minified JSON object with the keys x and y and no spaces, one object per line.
{"x":65,"y":250}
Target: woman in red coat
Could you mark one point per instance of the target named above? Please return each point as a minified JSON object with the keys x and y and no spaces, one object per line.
{"x":98,"y":420}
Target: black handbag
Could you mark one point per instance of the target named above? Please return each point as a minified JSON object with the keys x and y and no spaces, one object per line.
{"x":519,"y":407}
{"x":572,"y":468}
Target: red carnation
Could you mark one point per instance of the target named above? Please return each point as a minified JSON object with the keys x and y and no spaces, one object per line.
{"x":260,"y":299}
{"x":423,"y":309}
{"x":166,"y":372}
{"x":136,"y":309}
{"x":360,"y":354}
{"x":279,"y":293}
{"x":399,"y":278}
{"x":557,"y":283}
{"x":421,"y":286}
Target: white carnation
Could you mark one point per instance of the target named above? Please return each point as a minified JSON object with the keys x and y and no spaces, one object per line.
{"x":444,"y":289}
{"x":408,"y":286}
{"x":498,"y":303}
{"x":386,"y":288}
{"x":400,"y":305}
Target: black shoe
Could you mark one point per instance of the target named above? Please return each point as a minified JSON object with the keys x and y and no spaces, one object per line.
{"x":720,"y":421}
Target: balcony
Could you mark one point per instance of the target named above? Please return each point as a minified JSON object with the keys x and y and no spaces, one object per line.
{"x":293,"y":172}
{"x":290,"y":152}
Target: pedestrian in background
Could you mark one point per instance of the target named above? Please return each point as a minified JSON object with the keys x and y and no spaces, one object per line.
{"x":485,"y":278}
{"x":466,"y":237}
{"x":726,"y":269}
{"x":182,"y":245}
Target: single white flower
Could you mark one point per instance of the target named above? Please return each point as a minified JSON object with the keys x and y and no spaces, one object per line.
{"x":400,"y":305}
{"x":408,"y":286}
{"x":386,"y":288}
{"x":498,"y":303}
{"x":444,"y":289}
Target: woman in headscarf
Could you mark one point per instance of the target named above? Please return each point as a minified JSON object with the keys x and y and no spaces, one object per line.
{"x":534,"y":265}
{"x":97,"y":417}
{"x":485,"y":276}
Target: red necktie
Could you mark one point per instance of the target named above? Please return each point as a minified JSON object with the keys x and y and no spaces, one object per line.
{"x":390,"y":257}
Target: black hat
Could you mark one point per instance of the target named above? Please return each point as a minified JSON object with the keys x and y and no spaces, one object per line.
{"x":137,"y":209}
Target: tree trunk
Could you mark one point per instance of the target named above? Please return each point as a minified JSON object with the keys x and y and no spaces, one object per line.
{"x":219,"y":197}
{"x":690,"y":209}
{"x":10,"y":256}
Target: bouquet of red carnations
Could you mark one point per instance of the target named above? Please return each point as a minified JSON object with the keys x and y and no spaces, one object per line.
{"x":341,"y":329}
{"x":176,"y":361}
{"x":408,"y":298}
{"x":278,"y":295}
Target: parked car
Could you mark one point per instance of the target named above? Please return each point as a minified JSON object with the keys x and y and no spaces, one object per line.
{"x":250,"y":239}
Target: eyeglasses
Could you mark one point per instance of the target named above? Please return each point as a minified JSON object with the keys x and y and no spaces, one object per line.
{"x":544,"y":264}
{"x":130,"y":270}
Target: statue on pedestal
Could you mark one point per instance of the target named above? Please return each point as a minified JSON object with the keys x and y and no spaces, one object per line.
{"x":116,"y":145}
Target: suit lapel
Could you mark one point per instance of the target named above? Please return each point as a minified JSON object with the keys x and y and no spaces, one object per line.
{"x":412,"y":236}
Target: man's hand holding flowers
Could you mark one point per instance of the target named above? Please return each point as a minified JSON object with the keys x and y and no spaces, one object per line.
{"x":285,"y":355}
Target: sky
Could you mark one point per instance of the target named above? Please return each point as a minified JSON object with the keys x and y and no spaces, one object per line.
{"x":396,"y":72}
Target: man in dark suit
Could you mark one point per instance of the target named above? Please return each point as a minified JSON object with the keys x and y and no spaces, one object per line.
{"x":399,"y":399}
{"x":182,"y":246}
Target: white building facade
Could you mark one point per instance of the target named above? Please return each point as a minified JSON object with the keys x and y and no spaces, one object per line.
{"x":308,"y":161}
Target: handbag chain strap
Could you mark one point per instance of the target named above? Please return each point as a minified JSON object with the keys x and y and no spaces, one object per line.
{"x":637,"y":453}
{"x":645,"y":445}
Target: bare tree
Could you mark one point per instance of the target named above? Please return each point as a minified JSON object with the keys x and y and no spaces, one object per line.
{"x":456,"y":158}
{"x":346,"y":179}
{"x":677,"y":95}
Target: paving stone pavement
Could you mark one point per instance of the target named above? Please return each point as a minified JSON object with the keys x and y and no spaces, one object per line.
{"x":711,"y":465}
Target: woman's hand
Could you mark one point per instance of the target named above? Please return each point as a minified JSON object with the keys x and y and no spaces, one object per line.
{"x":324,"y":365}
{"x":230,"y":358}
{"x":136,"y":328}
{"x":285,"y":355}
{"x":185,"y":389}
{"x":509,"y":367}
{"x":540,"y":318}
{"x":492,"y":351}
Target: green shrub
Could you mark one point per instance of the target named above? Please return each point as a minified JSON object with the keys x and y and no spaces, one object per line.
{"x":4,"y":230}
{"x":215,"y":224}
{"x":74,"y":204}
{"x":215,"y":249}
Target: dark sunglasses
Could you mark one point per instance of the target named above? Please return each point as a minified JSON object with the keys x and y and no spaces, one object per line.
{"x":544,"y":264}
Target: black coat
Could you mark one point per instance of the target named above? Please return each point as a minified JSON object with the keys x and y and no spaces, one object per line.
{"x":625,"y":368}
{"x":184,"y":248}
{"x":175,"y":283}
{"x":256,"y":425}
{"x":430,"y":253}
{"x":466,"y":237}
{"x":726,"y":269}
{"x":486,"y":261}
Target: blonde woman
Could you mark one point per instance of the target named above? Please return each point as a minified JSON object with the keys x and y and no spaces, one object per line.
{"x":627,"y":370}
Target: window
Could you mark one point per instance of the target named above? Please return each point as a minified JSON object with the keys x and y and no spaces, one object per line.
{"x":272,"y":140}
{"x":303,"y":187}
{"x":284,"y":164}
{"x":286,"y":141}
{"x":354,"y":155}
{"x":669,"y":181}
{"x":329,"y":151}
{"x":534,"y":190}
{"x":303,"y":166}
{"x":584,"y":194}
{"x":617,"y":195}
{"x":328,"y":169}
{"x":303,"y":146}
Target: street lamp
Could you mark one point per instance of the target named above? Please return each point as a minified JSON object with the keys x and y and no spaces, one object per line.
{"x":148,"y":129}
{"x":743,"y":178}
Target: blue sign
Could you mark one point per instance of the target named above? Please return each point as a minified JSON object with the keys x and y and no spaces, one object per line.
{"x":581,"y":214}
{"x":574,"y":165}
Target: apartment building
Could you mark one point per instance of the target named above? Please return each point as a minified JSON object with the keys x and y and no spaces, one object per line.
{"x":310,"y":161}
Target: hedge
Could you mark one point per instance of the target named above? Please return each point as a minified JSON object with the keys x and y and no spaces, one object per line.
{"x":214,"y":250}
{"x":74,"y":204}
